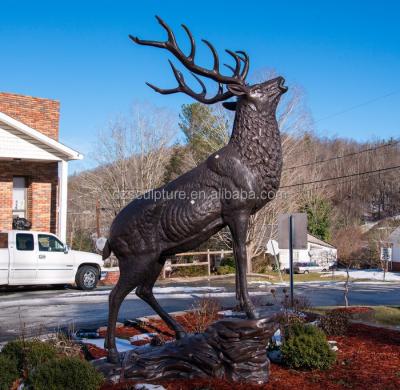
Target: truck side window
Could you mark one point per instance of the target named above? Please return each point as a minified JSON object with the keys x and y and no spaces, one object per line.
{"x":48,"y":243}
{"x":3,"y":240}
{"x":25,"y":242}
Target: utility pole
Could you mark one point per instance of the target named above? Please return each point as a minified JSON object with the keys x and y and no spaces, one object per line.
{"x":291,"y":260}
{"x":98,"y":218}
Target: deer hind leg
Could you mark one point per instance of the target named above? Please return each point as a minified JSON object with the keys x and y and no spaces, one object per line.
{"x":145,"y":292}
{"x":238,"y":226}
{"x":117,"y":295}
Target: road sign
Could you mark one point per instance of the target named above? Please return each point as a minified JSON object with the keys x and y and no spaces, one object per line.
{"x":101,"y":243}
{"x":299,"y":239}
{"x":292,"y":234}
{"x":386,"y":254}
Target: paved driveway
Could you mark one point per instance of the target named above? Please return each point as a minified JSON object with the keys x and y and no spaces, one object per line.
{"x":40,"y":310}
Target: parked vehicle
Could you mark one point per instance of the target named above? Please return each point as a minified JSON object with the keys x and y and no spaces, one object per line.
{"x":30,"y":258}
{"x":305,"y":268}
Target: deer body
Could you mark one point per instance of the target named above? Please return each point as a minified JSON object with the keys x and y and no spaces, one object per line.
{"x":232,"y":184}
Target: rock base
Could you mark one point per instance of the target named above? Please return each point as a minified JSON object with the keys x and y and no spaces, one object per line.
{"x":234,"y":349}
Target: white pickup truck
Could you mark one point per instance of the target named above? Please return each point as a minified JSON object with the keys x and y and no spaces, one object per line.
{"x":30,"y":258}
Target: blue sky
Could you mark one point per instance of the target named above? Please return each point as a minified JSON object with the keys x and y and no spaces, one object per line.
{"x":342,"y":53}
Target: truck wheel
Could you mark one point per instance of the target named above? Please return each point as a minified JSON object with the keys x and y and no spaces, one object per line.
{"x":87,"y":277}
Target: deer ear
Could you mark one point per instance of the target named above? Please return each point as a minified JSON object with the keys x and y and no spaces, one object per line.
{"x":238,"y":89}
{"x":230,"y":105}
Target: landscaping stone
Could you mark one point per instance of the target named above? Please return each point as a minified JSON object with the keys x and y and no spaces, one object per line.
{"x":333,"y":345}
{"x":275,"y":356}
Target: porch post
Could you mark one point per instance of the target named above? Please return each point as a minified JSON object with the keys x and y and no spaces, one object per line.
{"x":62,"y":199}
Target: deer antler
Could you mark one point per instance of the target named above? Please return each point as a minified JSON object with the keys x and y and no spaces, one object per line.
{"x":238,"y":76}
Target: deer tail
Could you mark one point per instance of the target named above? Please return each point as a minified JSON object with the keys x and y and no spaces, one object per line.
{"x":107,"y":250}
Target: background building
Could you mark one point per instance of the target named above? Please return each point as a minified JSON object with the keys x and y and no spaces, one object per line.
{"x":33,"y":164}
{"x":394,"y":243}
{"x":318,"y":251}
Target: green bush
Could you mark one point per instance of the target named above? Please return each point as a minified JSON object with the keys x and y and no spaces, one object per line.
{"x":190,"y":271}
{"x":8,"y":372}
{"x":29,"y":354}
{"x":228,"y":261}
{"x":225,"y":270}
{"x":306,"y":347}
{"x":334,"y":323}
{"x":65,"y":373}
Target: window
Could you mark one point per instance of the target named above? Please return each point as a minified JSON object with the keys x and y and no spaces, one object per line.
{"x":19,"y":197}
{"x":3,"y":240}
{"x":48,"y":243}
{"x":25,"y":242}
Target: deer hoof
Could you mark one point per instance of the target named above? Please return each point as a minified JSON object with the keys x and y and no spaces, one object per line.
{"x":180,"y":334}
{"x":113,"y":356}
{"x":250,"y":311}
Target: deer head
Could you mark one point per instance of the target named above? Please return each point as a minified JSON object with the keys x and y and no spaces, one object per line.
{"x":261,"y":97}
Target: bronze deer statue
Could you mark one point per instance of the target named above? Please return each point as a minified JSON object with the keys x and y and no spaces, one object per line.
{"x":151,"y":228}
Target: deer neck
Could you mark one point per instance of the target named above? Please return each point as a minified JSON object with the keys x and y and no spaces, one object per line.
{"x":256,"y":137}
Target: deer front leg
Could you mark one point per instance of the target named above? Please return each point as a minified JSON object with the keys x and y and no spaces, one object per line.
{"x":238,"y":224}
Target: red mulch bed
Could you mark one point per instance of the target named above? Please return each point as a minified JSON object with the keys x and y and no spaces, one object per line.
{"x":354,"y":310}
{"x":368,"y":358}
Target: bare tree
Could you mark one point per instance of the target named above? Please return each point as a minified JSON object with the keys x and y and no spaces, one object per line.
{"x":349,"y":244}
{"x":131,"y":155}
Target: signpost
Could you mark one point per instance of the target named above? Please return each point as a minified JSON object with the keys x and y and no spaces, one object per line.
{"x":292,"y":234}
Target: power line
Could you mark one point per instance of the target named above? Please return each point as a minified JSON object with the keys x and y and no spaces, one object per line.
{"x":341,"y":177}
{"x":358,"y":106}
{"x":330,"y":184}
{"x":392,"y":143}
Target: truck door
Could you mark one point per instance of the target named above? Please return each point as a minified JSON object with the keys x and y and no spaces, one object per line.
{"x":23,"y":260}
{"x":54,"y":265}
{"x":4,"y":258}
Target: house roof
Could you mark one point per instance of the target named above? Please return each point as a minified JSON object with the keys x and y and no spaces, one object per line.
{"x":66,"y":152}
{"x":314,"y":240}
{"x":395,"y":236}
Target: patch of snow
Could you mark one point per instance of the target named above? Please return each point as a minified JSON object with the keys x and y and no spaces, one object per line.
{"x":372,"y":274}
{"x":260,"y":284}
{"x":122,"y":344}
{"x":148,"y":386}
{"x":277,"y":338}
{"x":230,"y":313}
{"x":143,"y":336}
{"x":169,"y":290}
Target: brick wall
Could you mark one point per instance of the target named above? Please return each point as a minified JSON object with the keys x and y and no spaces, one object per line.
{"x":40,"y":114}
{"x":111,"y":279}
{"x":5,"y":202}
{"x":395,"y":265}
{"x":42,"y":182}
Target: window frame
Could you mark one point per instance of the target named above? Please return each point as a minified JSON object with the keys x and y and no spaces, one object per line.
{"x":24,"y":234}
{"x":56,"y":239}
{"x":20,"y":212}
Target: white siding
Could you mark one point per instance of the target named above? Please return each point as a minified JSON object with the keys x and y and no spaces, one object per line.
{"x":314,"y":253}
{"x":396,"y":253}
{"x":15,"y":144}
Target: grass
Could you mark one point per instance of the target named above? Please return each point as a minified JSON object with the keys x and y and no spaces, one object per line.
{"x":311,"y":277}
{"x":387,"y":315}
{"x":383,"y":315}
